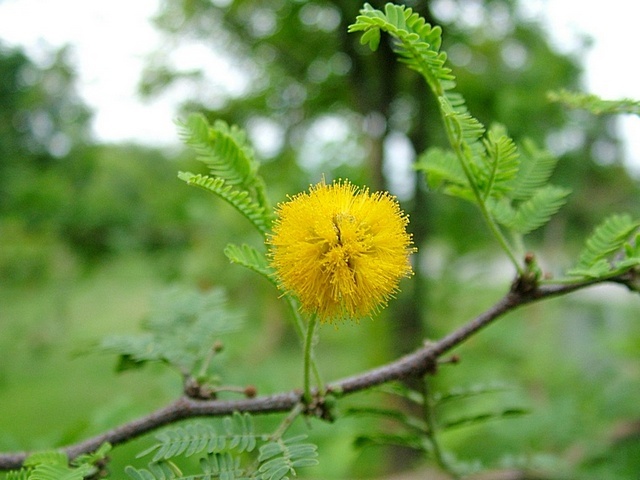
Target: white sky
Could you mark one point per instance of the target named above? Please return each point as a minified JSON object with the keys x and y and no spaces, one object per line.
{"x":111,"y":38}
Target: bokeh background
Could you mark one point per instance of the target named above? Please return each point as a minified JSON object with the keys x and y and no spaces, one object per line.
{"x":95,"y":227}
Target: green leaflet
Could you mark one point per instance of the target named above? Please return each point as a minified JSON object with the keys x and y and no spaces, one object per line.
{"x":529,"y":215}
{"x":157,"y":471}
{"x":251,"y":258}
{"x":536,"y":168}
{"x":595,"y":104}
{"x":469,"y":420}
{"x":237,"y":434}
{"x":239,"y":199}
{"x":418,"y":42}
{"x":180,"y":330}
{"x":54,"y":465}
{"x":499,"y":165}
{"x":222,"y":466}
{"x":22,"y":474}
{"x":281,"y":458}
{"x":222,"y":148}
{"x":486,"y":169}
{"x":233,"y":170}
{"x":442,"y":170}
{"x":48,"y":457}
{"x":609,"y":238}
{"x":59,"y":472}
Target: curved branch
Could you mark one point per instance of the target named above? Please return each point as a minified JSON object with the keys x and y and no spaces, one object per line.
{"x":418,"y":363}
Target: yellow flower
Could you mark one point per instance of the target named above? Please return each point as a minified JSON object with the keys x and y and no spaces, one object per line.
{"x":341,"y":250}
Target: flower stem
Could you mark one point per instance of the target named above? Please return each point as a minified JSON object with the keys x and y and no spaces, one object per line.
{"x":309,"y":364}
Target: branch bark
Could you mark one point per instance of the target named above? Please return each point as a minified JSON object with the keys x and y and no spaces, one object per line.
{"x":418,"y":363}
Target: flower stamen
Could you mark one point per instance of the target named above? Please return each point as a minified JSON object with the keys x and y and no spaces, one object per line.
{"x":341,"y":250}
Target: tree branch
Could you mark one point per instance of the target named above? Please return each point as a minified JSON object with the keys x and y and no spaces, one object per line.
{"x":418,"y":363}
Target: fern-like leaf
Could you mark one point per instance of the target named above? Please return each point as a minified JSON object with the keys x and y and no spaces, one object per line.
{"x":47,"y":457}
{"x":22,"y":474}
{"x":224,"y":467}
{"x":466,"y":129}
{"x":443,"y":171}
{"x":180,"y":331}
{"x":536,"y":168}
{"x":222,"y":148}
{"x":199,"y":437}
{"x":469,"y":420}
{"x":595,"y":104}
{"x":500,"y":164}
{"x":607,"y":239}
{"x":407,"y":440}
{"x":158,"y":471}
{"x":281,"y":458}
{"x":538,"y":210}
{"x":251,"y":258}
{"x":239,"y":199}
{"x":59,"y":472}
{"x":417,"y":42}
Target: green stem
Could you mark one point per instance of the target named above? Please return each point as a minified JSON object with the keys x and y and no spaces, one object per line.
{"x":430,"y":421}
{"x":299,"y":326}
{"x":287,"y":422}
{"x":309,"y":363}
{"x":493,"y":226}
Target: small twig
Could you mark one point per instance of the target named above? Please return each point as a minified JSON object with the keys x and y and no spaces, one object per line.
{"x":416,"y":364}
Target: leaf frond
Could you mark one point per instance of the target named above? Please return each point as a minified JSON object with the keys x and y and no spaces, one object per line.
{"x":283,"y":457}
{"x":221,"y":147}
{"x":222,"y":466}
{"x":417,"y":42}
{"x":180,"y":330}
{"x":239,"y":199}
{"x":594,"y":103}
{"x":198,"y":437}
{"x":22,"y":474}
{"x":59,"y":472}
{"x":607,"y":239}
{"x":538,"y":209}
{"x":443,"y":172}
{"x":500,"y":163}
{"x":249,"y":257}
{"x":466,"y":421}
{"x":158,"y":471}
{"x":536,"y":168}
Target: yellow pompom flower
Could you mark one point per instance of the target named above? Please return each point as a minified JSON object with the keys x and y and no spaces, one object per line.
{"x":341,"y":250}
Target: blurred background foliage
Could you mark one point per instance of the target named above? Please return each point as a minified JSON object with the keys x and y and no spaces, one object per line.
{"x":89,"y":232}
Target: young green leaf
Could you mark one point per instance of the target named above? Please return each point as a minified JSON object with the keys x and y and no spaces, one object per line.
{"x":607,"y":239}
{"x":199,"y":437}
{"x":180,"y":331}
{"x":281,"y":458}
{"x":538,"y":210}
{"x":595,"y":104}
{"x":499,"y":165}
{"x":251,"y":258}
{"x":469,"y":420}
{"x":536,"y":167}
{"x":239,"y":199}
{"x":222,"y":148}
{"x":222,"y":466}
{"x":442,"y":170}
